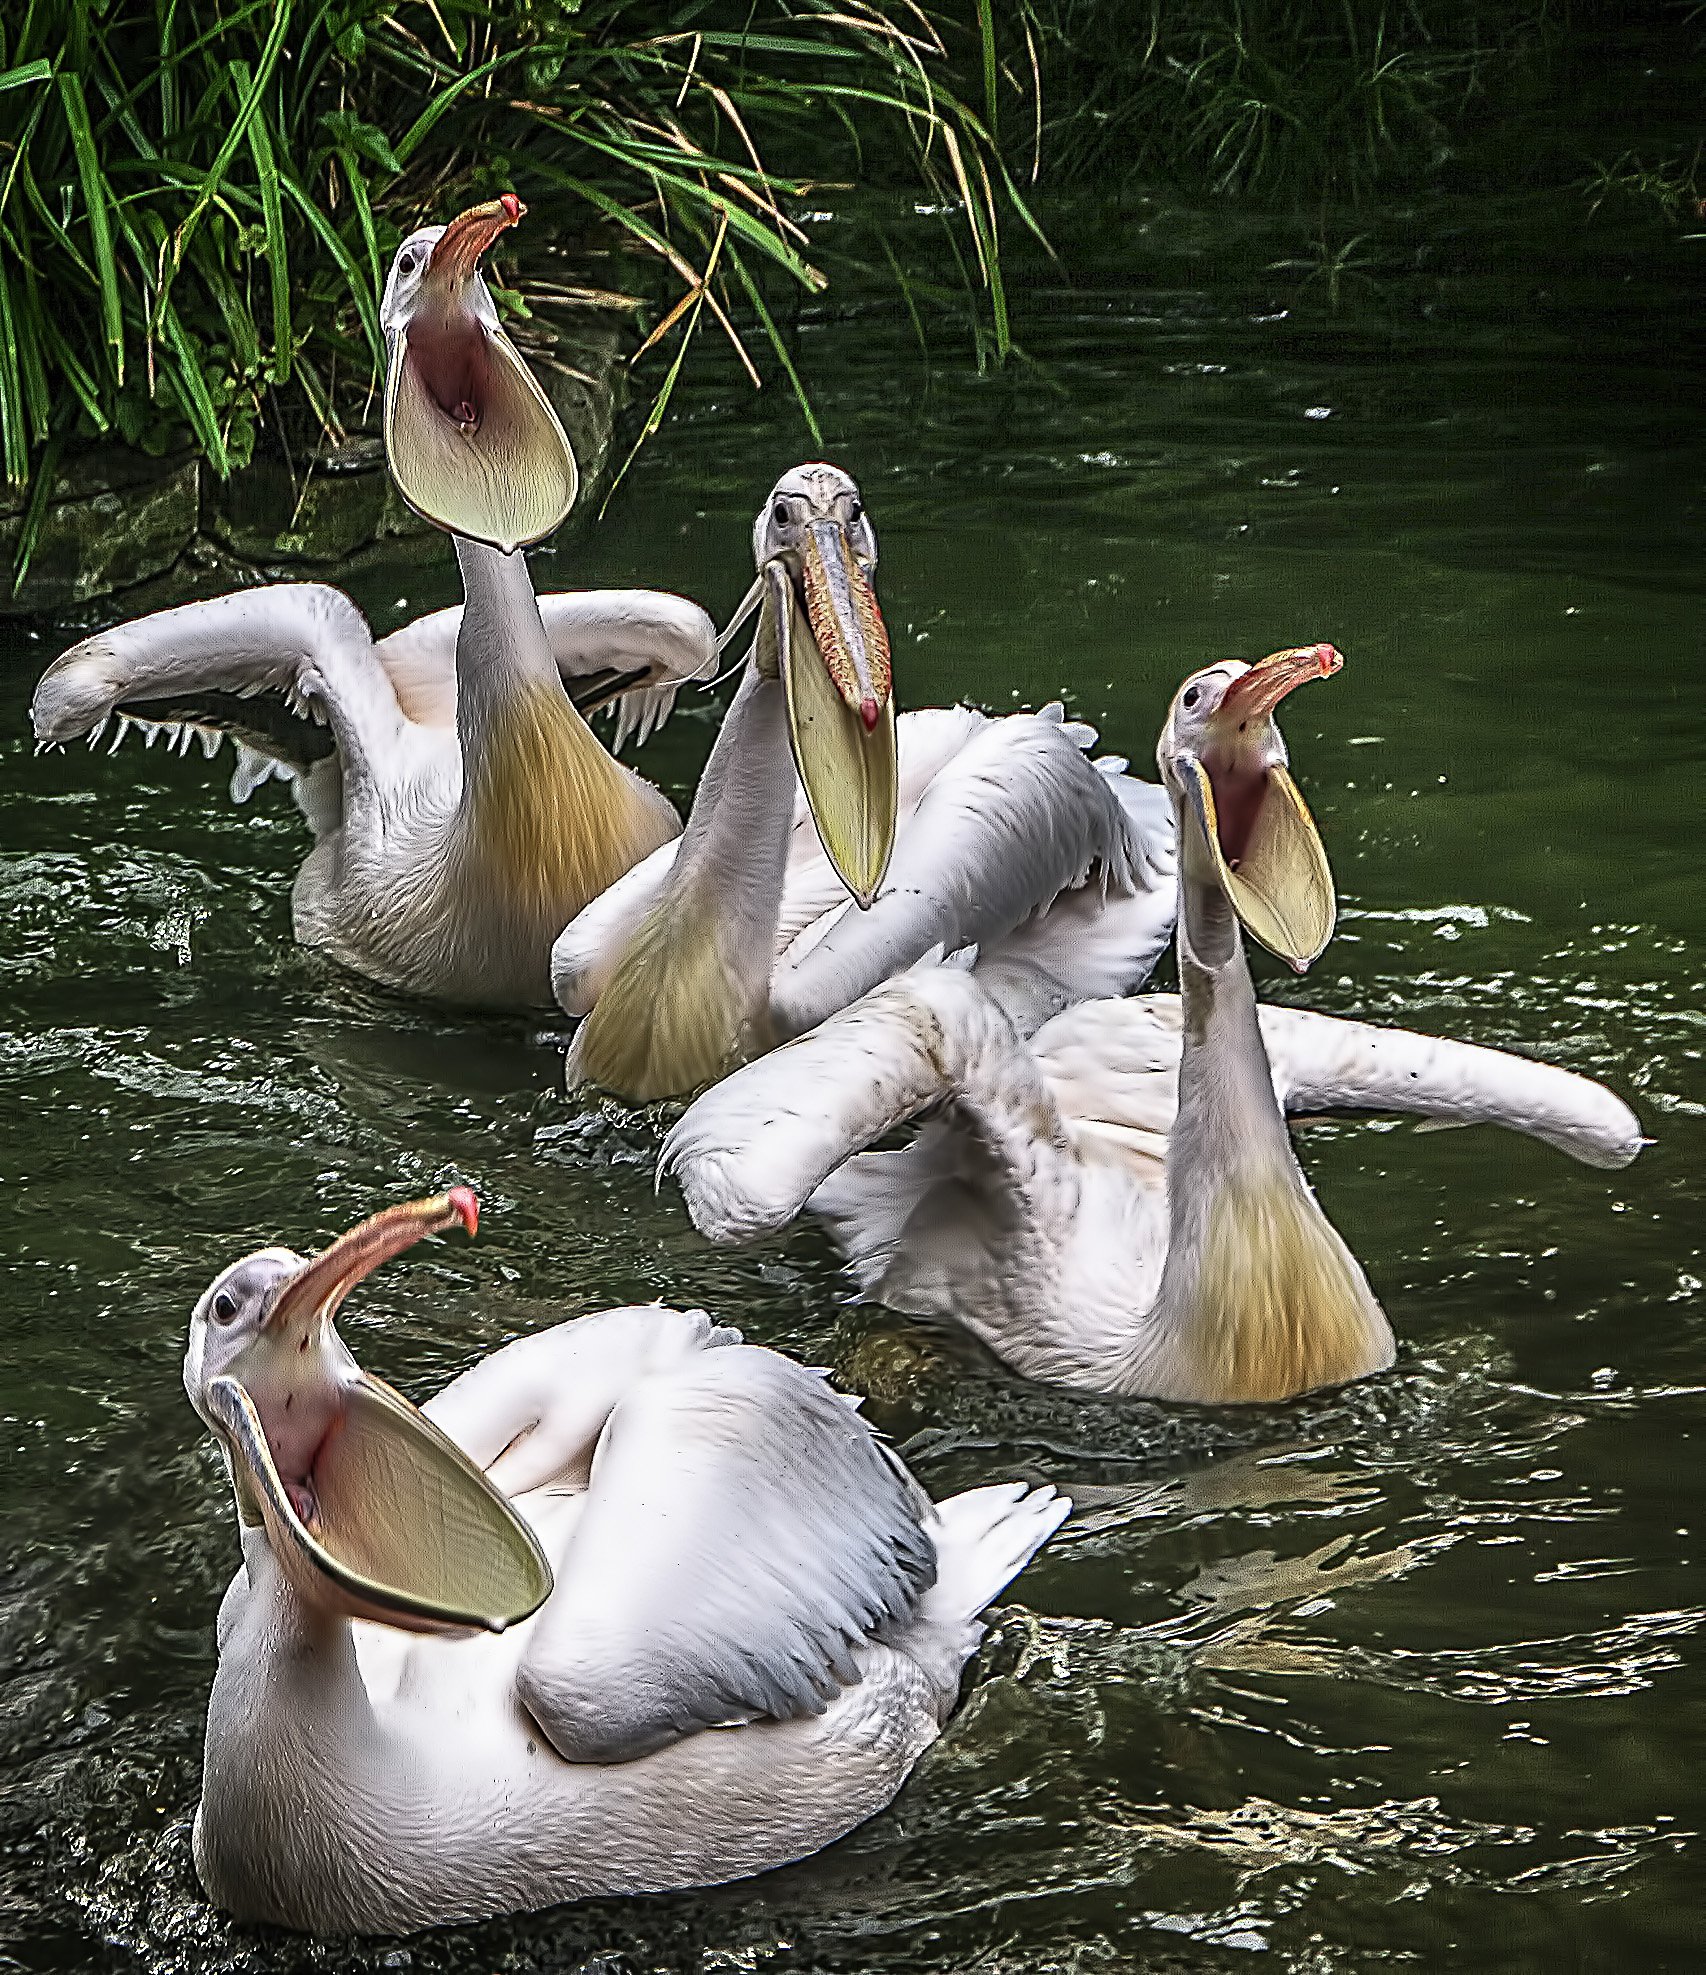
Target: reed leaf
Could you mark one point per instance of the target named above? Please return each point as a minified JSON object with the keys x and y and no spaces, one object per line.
{"x":198,"y":198}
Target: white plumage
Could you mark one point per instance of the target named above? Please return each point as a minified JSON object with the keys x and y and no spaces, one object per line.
{"x":759,"y":1623}
{"x":378,"y":740}
{"x":1114,"y":1202}
{"x":1052,"y":871}
{"x":1033,"y":1205}
{"x":1055,"y":868}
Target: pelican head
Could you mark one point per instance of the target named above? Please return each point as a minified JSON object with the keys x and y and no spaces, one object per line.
{"x":820,"y":629}
{"x":1242,"y":824}
{"x":473,"y":442}
{"x":370,"y":1510}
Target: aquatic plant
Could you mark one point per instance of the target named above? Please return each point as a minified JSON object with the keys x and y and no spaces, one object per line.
{"x":1263,"y":97}
{"x":1670,"y":187}
{"x":198,"y":198}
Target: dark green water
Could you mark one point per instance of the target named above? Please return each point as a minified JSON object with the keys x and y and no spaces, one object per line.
{"x":1407,"y":1673}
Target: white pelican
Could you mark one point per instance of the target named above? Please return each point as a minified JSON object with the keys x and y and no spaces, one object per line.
{"x":462,"y":809}
{"x":743,"y":932}
{"x":701,"y":1620}
{"x":1116,"y":1203}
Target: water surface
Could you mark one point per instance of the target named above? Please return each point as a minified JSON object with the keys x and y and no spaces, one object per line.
{"x":1410,"y":1672}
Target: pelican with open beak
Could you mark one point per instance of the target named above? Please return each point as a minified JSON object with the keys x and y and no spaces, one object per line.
{"x":369,"y":1509}
{"x":473,"y":442}
{"x":630,"y":1605}
{"x":1114,"y":1202}
{"x":943,"y":828}
{"x":1253,"y":837}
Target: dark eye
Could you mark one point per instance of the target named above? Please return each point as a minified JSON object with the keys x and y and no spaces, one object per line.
{"x":779,"y":514}
{"x":1192,"y":695}
{"x":224,"y":1307}
{"x":408,"y":264}
{"x":854,"y":512}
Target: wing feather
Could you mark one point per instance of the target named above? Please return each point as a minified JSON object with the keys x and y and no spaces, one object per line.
{"x":286,"y":671}
{"x":631,"y":650}
{"x":744,"y":1533}
{"x":1014,"y":818}
{"x":1116,"y":1064}
{"x":751,"y":1150}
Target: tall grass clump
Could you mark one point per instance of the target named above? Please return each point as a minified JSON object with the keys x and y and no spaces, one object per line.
{"x":1270,"y":99}
{"x":199,"y":198}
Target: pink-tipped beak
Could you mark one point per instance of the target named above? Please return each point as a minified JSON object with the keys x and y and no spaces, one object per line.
{"x":1268,"y":681}
{"x":469,"y":234}
{"x":324,"y":1280}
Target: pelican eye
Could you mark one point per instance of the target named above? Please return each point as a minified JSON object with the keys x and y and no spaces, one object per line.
{"x":408,"y":263}
{"x":779,"y":514}
{"x":224,"y":1307}
{"x":854,"y":513}
{"x":1191,"y":696}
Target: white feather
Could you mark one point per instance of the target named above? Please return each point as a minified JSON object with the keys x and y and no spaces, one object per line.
{"x":387,"y":888}
{"x":731,"y":1544}
{"x":1033,"y":1204}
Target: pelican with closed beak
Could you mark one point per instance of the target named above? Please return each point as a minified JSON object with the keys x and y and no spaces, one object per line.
{"x":630,"y":1605}
{"x":831,"y":844}
{"x":463,"y":811}
{"x":1115,"y":1203}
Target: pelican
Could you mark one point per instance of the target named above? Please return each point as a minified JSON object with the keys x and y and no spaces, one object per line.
{"x":631,"y":1605}
{"x":462,"y":809}
{"x":942,"y":828}
{"x":1115,"y":1204}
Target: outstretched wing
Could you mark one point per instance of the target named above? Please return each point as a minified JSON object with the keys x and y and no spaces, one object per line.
{"x":1013,"y":819}
{"x":1322,"y":1063}
{"x":744,"y":1533}
{"x":631,"y":650}
{"x":286,"y":671}
{"x":1114,"y":1065}
{"x":750,"y":1151}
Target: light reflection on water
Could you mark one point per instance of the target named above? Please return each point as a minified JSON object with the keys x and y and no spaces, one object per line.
{"x":1404,"y":1672}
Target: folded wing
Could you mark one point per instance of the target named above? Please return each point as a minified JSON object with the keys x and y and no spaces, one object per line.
{"x":744,"y":1533}
{"x":1014,"y":818}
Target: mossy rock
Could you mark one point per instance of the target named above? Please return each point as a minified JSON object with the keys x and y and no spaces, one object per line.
{"x":114,"y":518}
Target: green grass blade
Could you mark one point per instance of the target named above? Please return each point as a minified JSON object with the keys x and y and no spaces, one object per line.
{"x":215,"y":173}
{"x":660,"y":404}
{"x":32,"y":371}
{"x":192,"y":391}
{"x":765,"y":238}
{"x":422,"y":127}
{"x":272,"y":218}
{"x":986,"y":34}
{"x":361,"y":292}
{"x":35,"y":511}
{"x":71,"y":366}
{"x":37,"y":71}
{"x":755,"y":296}
{"x":905,"y":286}
{"x":14,"y":443}
{"x":364,"y":219}
{"x":76,"y":112}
